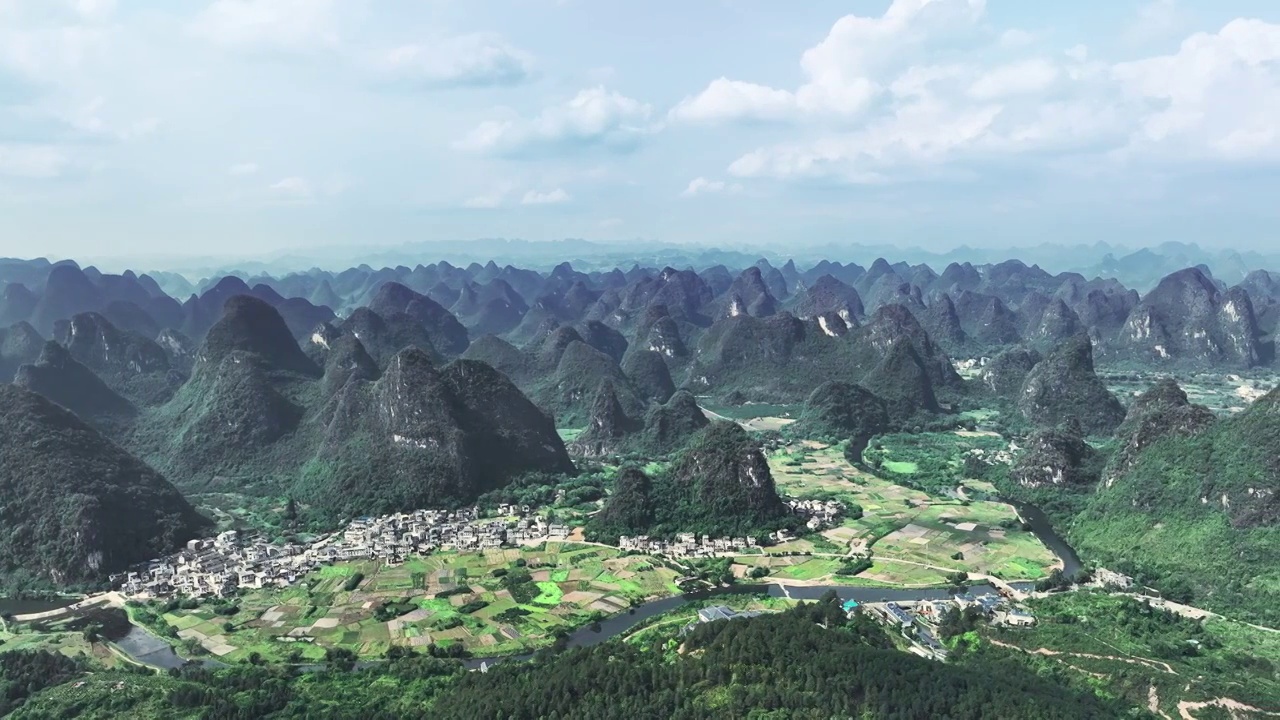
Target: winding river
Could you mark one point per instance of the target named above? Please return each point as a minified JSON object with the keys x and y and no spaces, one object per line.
{"x":141,"y":645}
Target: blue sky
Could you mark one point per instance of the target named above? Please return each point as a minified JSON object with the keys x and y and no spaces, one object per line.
{"x":245,"y":127}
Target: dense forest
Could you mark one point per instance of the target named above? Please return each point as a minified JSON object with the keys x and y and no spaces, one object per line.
{"x":807,"y":662}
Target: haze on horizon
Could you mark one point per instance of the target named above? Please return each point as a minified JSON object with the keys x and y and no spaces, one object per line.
{"x":243,"y":127}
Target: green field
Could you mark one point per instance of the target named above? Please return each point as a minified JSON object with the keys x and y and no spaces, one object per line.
{"x":568,"y":585}
{"x":902,"y":467}
{"x":913,"y":536}
{"x":1223,"y":393}
{"x":568,"y":435}
{"x":932,"y":462}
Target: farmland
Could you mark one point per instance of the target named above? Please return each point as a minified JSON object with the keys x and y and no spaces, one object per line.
{"x":1223,"y":393}
{"x":494,"y":602}
{"x":913,"y":538}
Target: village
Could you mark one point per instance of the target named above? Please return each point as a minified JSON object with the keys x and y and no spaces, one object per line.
{"x":221,"y":565}
{"x":819,"y":514}
{"x":919,"y":620}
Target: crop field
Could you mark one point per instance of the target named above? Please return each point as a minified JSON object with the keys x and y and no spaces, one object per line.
{"x":66,"y":636}
{"x":442,"y":599}
{"x":1223,"y":393}
{"x":71,"y":643}
{"x":933,"y":462}
{"x":913,"y":537}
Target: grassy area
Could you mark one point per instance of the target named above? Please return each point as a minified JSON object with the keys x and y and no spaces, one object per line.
{"x":933,"y":462}
{"x":569,"y":585}
{"x":902,"y":467}
{"x":568,"y":435}
{"x":903,"y":524}
{"x":1133,"y":648}
{"x":1224,"y":393}
{"x":57,"y":639}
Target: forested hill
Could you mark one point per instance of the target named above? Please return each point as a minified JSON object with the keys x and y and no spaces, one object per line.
{"x":74,"y":507}
{"x":1195,"y":512}
{"x":808,"y":662}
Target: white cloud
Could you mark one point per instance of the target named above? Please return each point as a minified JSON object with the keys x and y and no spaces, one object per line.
{"x":244,"y":168}
{"x":494,"y":198}
{"x":33,"y":162}
{"x":553,"y":197}
{"x":1218,"y":96}
{"x":94,"y":9}
{"x":726,"y":99}
{"x":703,"y":186}
{"x":1156,"y":20}
{"x":1019,"y":78}
{"x":1016,"y":38}
{"x":594,"y":118}
{"x":292,"y":25}
{"x":841,"y":70}
{"x":475,"y":60}
{"x":51,"y":54}
{"x":294,"y":189}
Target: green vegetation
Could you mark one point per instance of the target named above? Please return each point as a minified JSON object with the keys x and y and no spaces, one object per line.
{"x":1132,"y":647}
{"x":1195,"y":517}
{"x":494,"y":602}
{"x":1063,"y":386}
{"x":25,"y":673}
{"x":720,"y":486}
{"x":913,"y":538}
{"x":807,"y":661}
{"x":933,"y":462}
{"x":76,"y":506}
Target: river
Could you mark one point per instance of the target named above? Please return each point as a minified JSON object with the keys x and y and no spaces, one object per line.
{"x":1040,"y":526}
{"x":619,"y":624}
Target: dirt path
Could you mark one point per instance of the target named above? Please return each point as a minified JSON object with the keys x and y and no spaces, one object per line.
{"x":1153,"y":703}
{"x":1130,"y":659}
{"x":109,"y":599}
{"x":1233,"y":707}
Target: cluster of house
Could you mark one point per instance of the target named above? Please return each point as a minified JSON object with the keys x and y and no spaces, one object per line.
{"x":685,"y":545}
{"x":818,"y":514}
{"x":715,"y":613}
{"x":918,"y":618}
{"x":220,"y":565}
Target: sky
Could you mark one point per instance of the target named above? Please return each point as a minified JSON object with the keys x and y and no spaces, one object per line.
{"x":253,"y":127}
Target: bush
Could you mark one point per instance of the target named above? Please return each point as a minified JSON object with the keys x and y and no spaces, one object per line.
{"x":473,"y":606}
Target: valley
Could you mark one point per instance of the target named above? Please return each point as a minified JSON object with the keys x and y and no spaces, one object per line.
{"x":421,"y":479}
